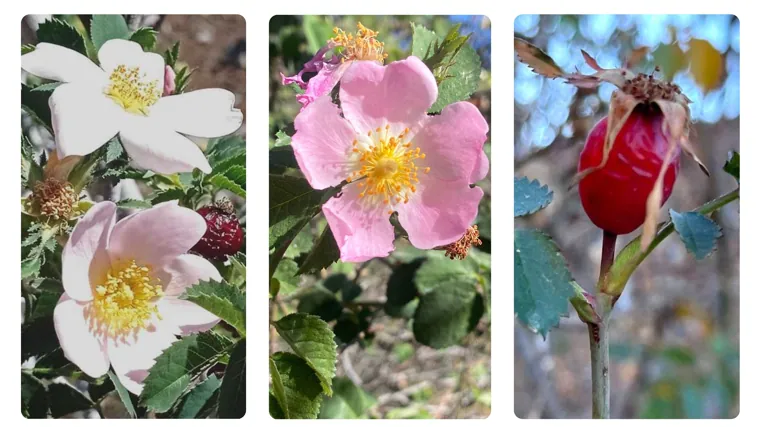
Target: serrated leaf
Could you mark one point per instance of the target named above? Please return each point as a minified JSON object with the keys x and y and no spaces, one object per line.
{"x":349,"y":401}
{"x":699,"y":233}
{"x":225,"y":164}
{"x":531,"y":196}
{"x":732,"y":165}
{"x":542,"y":281}
{"x":311,"y":338}
{"x":281,"y":159}
{"x":36,"y":105}
{"x":49,"y":292}
{"x":321,"y":302}
{"x":236,"y":174}
{"x":537,"y":60}
{"x":235,"y":273}
{"x":286,"y":274}
{"x":232,"y":391}
{"x":221,"y":149}
{"x":30,"y":267}
{"x":34,"y":402}
{"x":296,"y":387}
{"x":167,"y":195}
{"x":302,"y":243}
{"x":171,"y":55}
{"x":226,"y":183}
{"x":133,"y":204}
{"x":292,"y":203}
{"x":114,"y":150}
{"x":177,"y":365}
{"x":61,"y":33}
{"x":322,"y":255}
{"x":221,"y":299}
{"x":124,"y":396}
{"x":283,"y":139}
{"x":108,"y":27}
{"x":46,"y":87}
{"x":199,"y":396}
{"x":146,"y":37}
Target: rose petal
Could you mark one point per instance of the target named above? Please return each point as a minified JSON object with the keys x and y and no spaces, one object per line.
{"x":187,"y":270}
{"x":157,"y":147}
{"x":187,"y":317}
{"x":398,"y":94}
{"x":440,"y":212}
{"x":156,"y":236}
{"x":116,"y":52}
{"x":83,"y":118}
{"x":362,"y":230}
{"x":133,"y":356}
{"x":481,"y":168}
{"x":453,"y":142}
{"x":84,"y":258}
{"x":322,"y":144}
{"x":79,"y":345}
{"x":62,"y":64}
{"x":206,"y":113}
{"x":323,"y":83}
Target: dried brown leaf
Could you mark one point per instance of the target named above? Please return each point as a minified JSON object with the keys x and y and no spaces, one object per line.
{"x":636,"y":56}
{"x":691,"y":151}
{"x":537,"y":60}
{"x":654,"y":201}
{"x":591,"y":61}
{"x":60,"y":168}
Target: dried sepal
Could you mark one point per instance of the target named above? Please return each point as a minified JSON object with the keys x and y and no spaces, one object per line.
{"x":691,"y":151}
{"x":654,"y":200}
{"x":60,"y":168}
{"x":537,"y":60}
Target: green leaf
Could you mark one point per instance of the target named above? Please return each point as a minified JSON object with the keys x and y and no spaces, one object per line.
{"x":133,"y":204}
{"x":317,"y":32}
{"x":235,"y":272}
{"x":699,"y":233}
{"x":30,"y":266}
{"x":232,"y":392}
{"x":199,"y":396}
{"x":287,"y":275}
{"x":296,"y":387}
{"x":167,"y":195}
{"x":34,"y":403}
{"x":26,"y":48}
{"x":349,"y":401}
{"x":281,"y":159}
{"x":171,"y":55}
{"x":223,"y":165}
{"x":108,"y":27}
{"x":177,"y":365}
{"x":531,"y":196}
{"x":732,"y":165}
{"x":226,"y":147}
{"x":321,"y":302}
{"x":236,"y":174}
{"x":282,"y":139}
{"x":340,"y":283}
{"x":226,"y":183}
{"x":36,"y":105}
{"x":401,"y":291}
{"x":146,"y":37}
{"x":302,"y":243}
{"x":124,"y":396}
{"x":311,"y":338}
{"x":542,"y":281}
{"x":65,"y":399}
{"x":49,"y":291}
{"x":114,"y":150}
{"x":46,"y":87}
{"x":221,"y":299}
{"x":324,"y":253}
{"x":292,"y":203}
{"x":61,"y":33}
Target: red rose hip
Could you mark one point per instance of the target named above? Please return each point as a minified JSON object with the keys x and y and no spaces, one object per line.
{"x":224,"y":236}
{"x":615,"y":196}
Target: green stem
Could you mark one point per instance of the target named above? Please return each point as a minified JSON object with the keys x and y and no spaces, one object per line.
{"x":598,"y":335}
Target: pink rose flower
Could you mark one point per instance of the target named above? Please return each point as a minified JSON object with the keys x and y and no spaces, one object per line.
{"x":122,"y":282}
{"x":395,"y":157}
{"x":344,"y":50}
{"x":169,"y":85}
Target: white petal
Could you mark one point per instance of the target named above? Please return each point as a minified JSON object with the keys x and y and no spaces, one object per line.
{"x":62,"y":64}
{"x":84,"y":258}
{"x":79,"y":345}
{"x":117,"y":52}
{"x":188,"y":270}
{"x":186,"y":316}
{"x":83,"y":118}
{"x":207,"y":113}
{"x":132,"y":357}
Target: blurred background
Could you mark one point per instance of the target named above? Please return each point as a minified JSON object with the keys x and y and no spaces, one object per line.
{"x":675,"y":330}
{"x":400,"y":377}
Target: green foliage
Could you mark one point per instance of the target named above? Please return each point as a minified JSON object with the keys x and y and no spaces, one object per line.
{"x":133,"y":204}
{"x":232,"y":391}
{"x":542,"y":281}
{"x":732,"y":165}
{"x":531,"y":196}
{"x":296,"y":388}
{"x":108,"y":27}
{"x":146,"y":37}
{"x":182,"y":79}
{"x":348,"y":401}
{"x":401,"y":293}
{"x":699,"y":233}
{"x":36,"y":105}
{"x":282,"y":139}
{"x":281,"y":159}
{"x":292,"y":203}
{"x":323,"y":254}
{"x":199,"y":397}
{"x":171,"y":55}
{"x":114,"y":150}
{"x":321,"y":302}
{"x":286,"y":275}
{"x":313,"y":341}
{"x":221,"y":299}
{"x":123,"y":394}
{"x":58,"y":32}
{"x":317,"y":31}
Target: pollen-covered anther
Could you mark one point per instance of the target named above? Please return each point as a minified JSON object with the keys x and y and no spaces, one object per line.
{"x":363,"y":46}
{"x":125,"y":301}
{"x":460,"y":248}
{"x":132,"y":91}
{"x":56,"y":199}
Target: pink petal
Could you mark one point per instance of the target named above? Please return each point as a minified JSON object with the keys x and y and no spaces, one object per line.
{"x":133,"y":356}
{"x":398,"y":94}
{"x":169,"y":84}
{"x":322,"y":143}
{"x":440,"y":212}
{"x":362,"y":231}
{"x":481,"y":168}
{"x":314,"y":65}
{"x":323,"y":83}
{"x":186,"y":316}
{"x":156,"y":236}
{"x":79,"y":345}
{"x":84,"y":257}
{"x":453,"y":142}
{"x":187,"y":270}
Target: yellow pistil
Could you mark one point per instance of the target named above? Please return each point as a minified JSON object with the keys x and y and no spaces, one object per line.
{"x":125,"y":302}
{"x":131,"y":91}
{"x":386,"y":167}
{"x":364,"y":46}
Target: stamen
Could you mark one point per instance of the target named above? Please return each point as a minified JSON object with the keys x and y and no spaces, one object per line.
{"x":131,"y":91}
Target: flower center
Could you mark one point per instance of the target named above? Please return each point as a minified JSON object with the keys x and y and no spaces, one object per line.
{"x":132,"y":91}
{"x":126,"y":300}
{"x":56,"y":198}
{"x":386,"y":167}
{"x":364,"y":46}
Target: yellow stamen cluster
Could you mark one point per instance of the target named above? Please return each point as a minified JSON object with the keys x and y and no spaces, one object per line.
{"x":131,"y":91}
{"x":387,"y":169}
{"x":459,"y":249}
{"x":55,"y":198}
{"x":364,"y":46}
{"x":126,"y":300}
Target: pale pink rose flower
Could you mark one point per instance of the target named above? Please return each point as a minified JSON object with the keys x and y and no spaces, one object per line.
{"x":122,"y":282}
{"x":122,"y":96}
{"x":396,"y":158}
{"x":169,"y":85}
